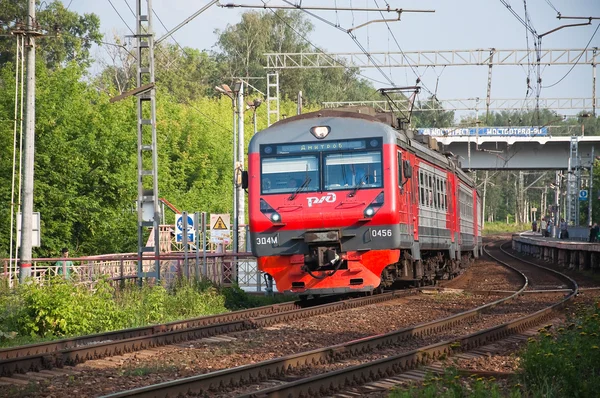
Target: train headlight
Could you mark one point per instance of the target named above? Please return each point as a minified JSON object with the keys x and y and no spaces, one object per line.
{"x":269,"y":211}
{"x":320,"y":132}
{"x":374,"y":206}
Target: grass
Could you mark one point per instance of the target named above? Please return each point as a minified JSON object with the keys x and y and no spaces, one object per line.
{"x":34,"y":313}
{"x":493,"y":228}
{"x":556,"y":363}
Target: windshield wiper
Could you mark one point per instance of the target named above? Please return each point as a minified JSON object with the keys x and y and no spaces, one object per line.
{"x":300,"y":188}
{"x":358,"y":185}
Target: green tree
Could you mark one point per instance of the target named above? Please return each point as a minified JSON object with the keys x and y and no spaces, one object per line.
{"x":243,"y":45}
{"x":424,"y":116}
{"x":68,"y":35}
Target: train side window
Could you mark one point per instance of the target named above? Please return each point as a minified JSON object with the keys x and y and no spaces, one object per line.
{"x":421,"y":189}
{"x":445,"y":195}
{"x":430,"y":190}
{"x":435,"y":193}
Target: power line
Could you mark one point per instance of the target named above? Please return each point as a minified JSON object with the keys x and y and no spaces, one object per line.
{"x":552,"y":5}
{"x":402,"y":52}
{"x":317,"y":48}
{"x":172,"y":37}
{"x":119,"y":14}
{"x":352,"y":36}
{"x":567,"y":74}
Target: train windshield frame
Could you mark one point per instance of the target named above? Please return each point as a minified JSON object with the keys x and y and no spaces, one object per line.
{"x":323,"y":166}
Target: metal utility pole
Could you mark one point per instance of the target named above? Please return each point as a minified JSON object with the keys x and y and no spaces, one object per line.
{"x":299,"y":105}
{"x":147,"y":151}
{"x":573,"y":171}
{"x":240,"y":215}
{"x":485,"y":181}
{"x":25,"y":255}
{"x":489,"y":87}
{"x":272,"y":97}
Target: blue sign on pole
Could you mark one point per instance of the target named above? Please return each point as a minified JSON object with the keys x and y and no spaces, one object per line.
{"x":179,"y":228}
{"x":485,"y":131}
{"x":583,"y":194}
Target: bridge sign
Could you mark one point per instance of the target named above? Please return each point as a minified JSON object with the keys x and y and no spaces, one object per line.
{"x":583,"y":194}
{"x":191,"y":232}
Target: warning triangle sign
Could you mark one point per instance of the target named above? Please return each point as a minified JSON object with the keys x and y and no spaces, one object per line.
{"x":219,"y":224}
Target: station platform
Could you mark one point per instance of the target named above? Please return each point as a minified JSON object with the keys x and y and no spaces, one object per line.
{"x":572,"y":253}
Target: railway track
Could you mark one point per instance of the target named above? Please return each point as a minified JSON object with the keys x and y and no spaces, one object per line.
{"x":76,"y":350}
{"x":331,"y":381}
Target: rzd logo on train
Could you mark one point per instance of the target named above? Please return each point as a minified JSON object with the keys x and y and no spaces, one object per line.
{"x":313,"y":200}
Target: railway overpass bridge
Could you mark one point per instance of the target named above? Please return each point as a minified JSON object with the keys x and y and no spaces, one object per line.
{"x":520,"y":152}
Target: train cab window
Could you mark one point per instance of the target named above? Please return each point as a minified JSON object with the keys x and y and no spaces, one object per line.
{"x":285,"y":174}
{"x":348,"y":170}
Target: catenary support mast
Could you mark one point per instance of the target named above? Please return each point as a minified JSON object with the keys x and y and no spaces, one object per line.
{"x":148,"y":203}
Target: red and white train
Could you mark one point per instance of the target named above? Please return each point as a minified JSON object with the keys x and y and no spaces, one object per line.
{"x":340,"y":201}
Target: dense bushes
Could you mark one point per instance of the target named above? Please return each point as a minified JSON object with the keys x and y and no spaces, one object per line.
{"x":60,"y":308}
{"x":566,"y":362}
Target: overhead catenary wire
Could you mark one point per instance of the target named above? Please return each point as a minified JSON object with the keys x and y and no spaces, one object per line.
{"x":552,"y":5}
{"x":352,"y":36}
{"x":317,"y":48}
{"x":576,"y":62}
{"x":122,"y":19}
{"x":402,"y":52}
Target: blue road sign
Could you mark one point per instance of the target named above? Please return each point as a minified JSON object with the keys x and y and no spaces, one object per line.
{"x":179,"y":228}
{"x":583,"y":194}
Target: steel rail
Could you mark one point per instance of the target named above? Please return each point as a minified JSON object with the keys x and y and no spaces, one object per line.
{"x":209,"y":382}
{"x":81,"y":353}
{"x":57,"y":345}
{"x":334,"y":381}
{"x":557,"y":274}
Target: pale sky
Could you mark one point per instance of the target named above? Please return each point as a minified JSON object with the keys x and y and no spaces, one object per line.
{"x":455,"y":25}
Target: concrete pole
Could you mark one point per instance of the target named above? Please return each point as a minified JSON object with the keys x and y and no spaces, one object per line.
{"x":28,"y":150}
{"x":299,"y":107}
{"x":591,"y":190}
{"x":594,"y":84}
{"x":557,"y":201}
{"x":234,"y":230}
{"x":241,"y":214}
{"x":484,"y":194}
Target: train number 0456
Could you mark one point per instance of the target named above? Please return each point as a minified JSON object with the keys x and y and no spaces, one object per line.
{"x":381,"y":233}
{"x":270,"y":240}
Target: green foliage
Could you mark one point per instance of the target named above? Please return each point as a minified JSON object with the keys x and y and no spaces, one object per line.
{"x":59,"y":308}
{"x":244,"y":44}
{"x":70,"y":39}
{"x":422,"y":117}
{"x":491,"y":228}
{"x":452,"y":385}
{"x":62,"y":308}
{"x":565,"y":362}
{"x":237,"y":299}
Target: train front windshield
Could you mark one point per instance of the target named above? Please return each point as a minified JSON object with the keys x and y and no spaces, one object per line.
{"x":328,"y":167}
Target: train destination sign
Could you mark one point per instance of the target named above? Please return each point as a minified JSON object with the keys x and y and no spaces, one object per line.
{"x":318,"y":146}
{"x":486,"y":131}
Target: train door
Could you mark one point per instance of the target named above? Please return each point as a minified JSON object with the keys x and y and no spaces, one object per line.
{"x":405,"y":207}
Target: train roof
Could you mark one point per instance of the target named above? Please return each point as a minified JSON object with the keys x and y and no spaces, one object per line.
{"x":343,"y":124}
{"x":348,"y":123}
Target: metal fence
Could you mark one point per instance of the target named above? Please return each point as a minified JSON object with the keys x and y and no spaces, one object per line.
{"x":223,"y":269}
{"x":213,"y":262}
